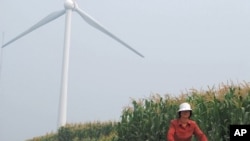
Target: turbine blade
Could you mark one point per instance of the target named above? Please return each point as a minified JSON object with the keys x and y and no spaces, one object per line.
{"x":42,"y":22}
{"x":98,"y":26}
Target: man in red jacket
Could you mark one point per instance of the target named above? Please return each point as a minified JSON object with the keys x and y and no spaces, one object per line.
{"x":183,"y":128}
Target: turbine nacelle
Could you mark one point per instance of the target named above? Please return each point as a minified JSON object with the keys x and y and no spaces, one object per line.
{"x":69,"y":4}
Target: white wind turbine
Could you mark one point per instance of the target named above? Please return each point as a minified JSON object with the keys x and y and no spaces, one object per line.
{"x":70,"y":6}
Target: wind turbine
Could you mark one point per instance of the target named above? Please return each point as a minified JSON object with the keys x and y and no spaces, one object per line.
{"x":69,"y":7}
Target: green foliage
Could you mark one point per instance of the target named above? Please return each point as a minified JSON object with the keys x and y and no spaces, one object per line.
{"x":47,"y":137}
{"x":65,"y":134}
{"x":213,"y":110}
{"x":148,"y":119}
{"x":95,"y":131}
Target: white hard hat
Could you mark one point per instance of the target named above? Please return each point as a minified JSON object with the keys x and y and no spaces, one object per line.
{"x":185,"y":107}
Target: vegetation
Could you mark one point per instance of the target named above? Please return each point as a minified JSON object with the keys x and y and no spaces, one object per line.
{"x":95,"y":131}
{"x":148,"y":119}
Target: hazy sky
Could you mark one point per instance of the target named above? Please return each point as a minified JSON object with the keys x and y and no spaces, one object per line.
{"x":186,"y":43}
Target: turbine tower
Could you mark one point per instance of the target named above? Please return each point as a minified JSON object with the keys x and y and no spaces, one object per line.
{"x":69,"y":7}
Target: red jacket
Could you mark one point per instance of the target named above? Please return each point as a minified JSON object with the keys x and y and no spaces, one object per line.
{"x":178,"y":133}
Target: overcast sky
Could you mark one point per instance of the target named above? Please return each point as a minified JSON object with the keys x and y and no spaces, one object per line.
{"x":186,"y":43}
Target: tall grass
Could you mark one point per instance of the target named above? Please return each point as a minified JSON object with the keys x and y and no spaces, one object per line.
{"x":214,"y":110}
{"x":148,"y":119}
{"x":92,"y":131}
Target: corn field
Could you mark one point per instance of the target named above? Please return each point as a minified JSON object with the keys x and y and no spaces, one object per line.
{"x":148,"y":119}
{"x":95,"y":131}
